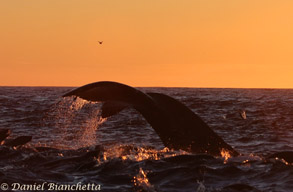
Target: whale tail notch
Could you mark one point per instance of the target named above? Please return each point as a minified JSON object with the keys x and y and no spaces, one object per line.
{"x":110,"y":108}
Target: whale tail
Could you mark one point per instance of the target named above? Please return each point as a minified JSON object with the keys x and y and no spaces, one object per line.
{"x":177,"y":126}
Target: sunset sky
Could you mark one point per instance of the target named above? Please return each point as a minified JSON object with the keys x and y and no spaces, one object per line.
{"x":186,"y":43}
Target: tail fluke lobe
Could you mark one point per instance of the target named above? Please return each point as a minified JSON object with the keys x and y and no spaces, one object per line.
{"x":190,"y":132}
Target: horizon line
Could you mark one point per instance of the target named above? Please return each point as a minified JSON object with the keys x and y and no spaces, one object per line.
{"x":191,"y":87}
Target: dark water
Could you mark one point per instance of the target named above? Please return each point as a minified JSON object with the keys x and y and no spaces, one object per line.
{"x":72,"y":144}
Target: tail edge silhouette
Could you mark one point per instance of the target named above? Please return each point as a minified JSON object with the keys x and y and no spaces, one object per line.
{"x":176,"y":125}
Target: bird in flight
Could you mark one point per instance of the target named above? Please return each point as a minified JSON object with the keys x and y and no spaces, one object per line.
{"x":100,"y":42}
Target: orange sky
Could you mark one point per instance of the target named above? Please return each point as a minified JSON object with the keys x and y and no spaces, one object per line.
{"x":195,"y":43}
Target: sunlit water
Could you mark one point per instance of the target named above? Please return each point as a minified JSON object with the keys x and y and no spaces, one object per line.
{"x":132,"y":157}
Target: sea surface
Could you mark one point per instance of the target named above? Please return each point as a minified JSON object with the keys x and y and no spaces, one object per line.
{"x":72,"y":145}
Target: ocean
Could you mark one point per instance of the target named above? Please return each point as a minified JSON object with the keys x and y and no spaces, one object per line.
{"x":74,"y":149}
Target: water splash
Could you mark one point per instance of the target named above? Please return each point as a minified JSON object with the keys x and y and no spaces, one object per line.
{"x":226,"y":155}
{"x":75,"y":123}
{"x":141,"y":181}
{"x":133,"y":153}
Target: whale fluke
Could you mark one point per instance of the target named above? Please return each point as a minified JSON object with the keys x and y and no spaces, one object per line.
{"x":176,"y":125}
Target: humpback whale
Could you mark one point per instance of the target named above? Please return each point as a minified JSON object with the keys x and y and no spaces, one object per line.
{"x":177,"y":126}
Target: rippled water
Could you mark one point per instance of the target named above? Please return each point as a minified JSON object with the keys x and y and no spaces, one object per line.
{"x":72,"y":143}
